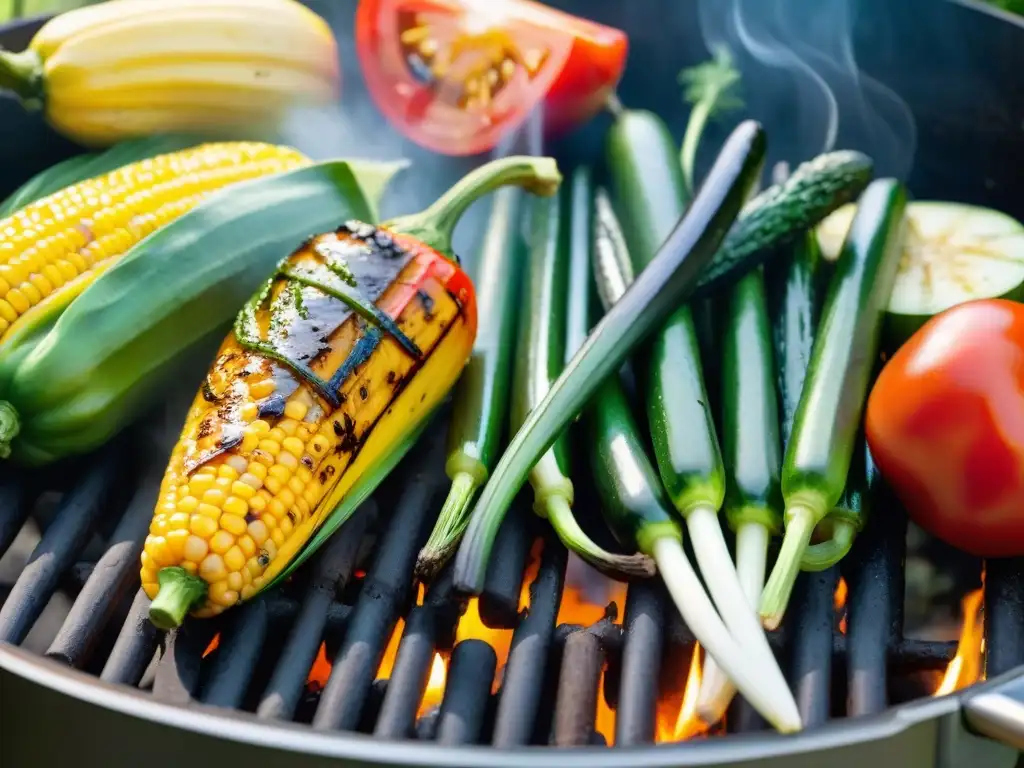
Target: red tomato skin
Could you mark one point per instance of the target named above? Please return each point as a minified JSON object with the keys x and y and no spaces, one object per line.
{"x":581,"y":89}
{"x":588,"y":78}
{"x":945,"y":424}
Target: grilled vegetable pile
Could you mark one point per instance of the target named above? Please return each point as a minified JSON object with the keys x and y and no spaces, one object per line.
{"x":128,"y":68}
{"x":332,"y":364}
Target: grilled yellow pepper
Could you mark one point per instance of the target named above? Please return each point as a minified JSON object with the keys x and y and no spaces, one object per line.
{"x":353,"y":342}
{"x":129,"y":68}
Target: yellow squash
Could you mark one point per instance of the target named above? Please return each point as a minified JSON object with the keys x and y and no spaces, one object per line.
{"x":128,"y":68}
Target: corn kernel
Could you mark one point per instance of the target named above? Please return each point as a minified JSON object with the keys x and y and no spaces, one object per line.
{"x":295,"y":409}
{"x":262,"y":458}
{"x":280,"y":473}
{"x":286,"y":497}
{"x":247,"y":592}
{"x":319,"y":445}
{"x":249,"y":411}
{"x":188,"y":504}
{"x":210,"y":511}
{"x":233,"y":524}
{"x":285,"y":526}
{"x":221,"y":542}
{"x":269,"y":446}
{"x":221,"y":595}
{"x":148,"y":574}
{"x":246,"y":576}
{"x":157,"y":548}
{"x":247,"y":545}
{"x":176,"y":542}
{"x":287,"y":461}
{"x":212,"y":569}
{"x":253,"y":566}
{"x":203,"y":526}
{"x":238,"y":463}
{"x":294,"y":446}
{"x":235,"y":581}
{"x":296,"y":487}
{"x":234,"y":559}
{"x":196,"y":548}
{"x":244,"y":487}
{"x":258,"y":503}
{"x":261,"y":389}
{"x":249,"y":442}
{"x":287,"y":427}
{"x":260,"y":427}
{"x":190,"y":567}
{"x":258,"y":531}
{"x":199,"y":484}
{"x":233,"y":506}
{"x":277,"y":508}
{"x":277,"y":537}
{"x":270,"y":548}
{"x":151,"y":589}
{"x":214,"y":496}
{"x":227,"y":472}
{"x":273,"y":485}
{"x":178,"y":521}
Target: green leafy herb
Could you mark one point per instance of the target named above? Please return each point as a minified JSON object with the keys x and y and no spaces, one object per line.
{"x":711,"y":88}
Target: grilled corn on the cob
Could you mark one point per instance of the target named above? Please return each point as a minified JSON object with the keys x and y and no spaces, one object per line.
{"x":52,"y":249}
{"x":356,"y":339}
{"x":134,"y":67}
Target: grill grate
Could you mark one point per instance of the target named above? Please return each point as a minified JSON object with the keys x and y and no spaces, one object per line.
{"x":267,"y":648}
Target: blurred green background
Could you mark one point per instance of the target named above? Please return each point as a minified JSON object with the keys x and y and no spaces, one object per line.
{"x":14,"y":8}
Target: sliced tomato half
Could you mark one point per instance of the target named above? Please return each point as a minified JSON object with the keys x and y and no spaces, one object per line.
{"x":457,"y":76}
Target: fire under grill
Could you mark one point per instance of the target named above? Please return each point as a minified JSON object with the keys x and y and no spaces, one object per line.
{"x":351,"y":644}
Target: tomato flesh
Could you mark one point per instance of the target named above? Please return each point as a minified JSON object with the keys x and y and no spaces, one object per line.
{"x":457,"y":77}
{"x":945,"y":423}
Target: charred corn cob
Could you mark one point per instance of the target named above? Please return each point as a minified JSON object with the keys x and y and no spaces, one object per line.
{"x":359,"y":334}
{"x":52,"y":249}
{"x":76,"y":381}
{"x":136,"y":67}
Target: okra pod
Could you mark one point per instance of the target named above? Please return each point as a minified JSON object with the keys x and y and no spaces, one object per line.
{"x":636,"y":507}
{"x":481,"y":395}
{"x":819,"y":451}
{"x":540,"y":358}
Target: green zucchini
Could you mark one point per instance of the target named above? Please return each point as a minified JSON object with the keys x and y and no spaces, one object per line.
{"x":118,"y":343}
{"x":952,"y":253}
{"x":778,"y":216}
{"x":820,"y":449}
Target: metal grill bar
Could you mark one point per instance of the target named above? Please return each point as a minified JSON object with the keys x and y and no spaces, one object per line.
{"x":499,"y":601}
{"x":177,"y":673}
{"x":111,"y":580}
{"x":60,"y":546}
{"x":464,"y":706}
{"x":578,"y":689}
{"x":15,"y":508}
{"x":525,"y":671}
{"x":332,"y":570}
{"x":811,"y":666}
{"x":641,"y":663}
{"x":235,"y":660}
{"x":134,"y":647}
{"x":1004,"y":615}
{"x":384,"y":594}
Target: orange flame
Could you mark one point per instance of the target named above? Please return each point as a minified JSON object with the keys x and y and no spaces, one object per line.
{"x":966,"y":668}
{"x":688,"y":724}
{"x":839,"y":602}
{"x":214,"y":644}
{"x":435,"y":685}
{"x":320,"y":670}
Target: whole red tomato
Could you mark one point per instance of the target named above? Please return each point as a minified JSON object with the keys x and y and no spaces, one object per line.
{"x":456,"y":76}
{"x":945,"y":423}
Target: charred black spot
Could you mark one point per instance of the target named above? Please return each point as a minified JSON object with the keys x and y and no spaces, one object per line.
{"x":349,"y":441}
{"x":264,"y":558}
{"x":391,"y":377}
{"x":428,"y":304}
{"x":208,"y":394}
{"x":205,"y":428}
{"x":363,"y":393}
{"x":338,"y":429}
{"x":307,"y":462}
{"x":315,"y":328}
{"x":271,"y":406}
{"x":291,"y":515}
{"x":252,"y":517}
{"x":230,"y":439}
{"x":342,"y":397}
{"x":423,"y":397}
{"x":329,"y":469}
{"x":322,"y":477}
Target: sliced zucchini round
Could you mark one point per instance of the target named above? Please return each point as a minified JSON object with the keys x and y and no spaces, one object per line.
{"x":952,"y":253}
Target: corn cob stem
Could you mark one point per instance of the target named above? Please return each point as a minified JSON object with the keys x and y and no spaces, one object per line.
{"x":435,"y":225}
{"x":179,"y":592}
{"x":23,"y":74}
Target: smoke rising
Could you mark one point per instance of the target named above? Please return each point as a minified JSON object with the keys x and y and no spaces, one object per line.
{"x":801,"y":80}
